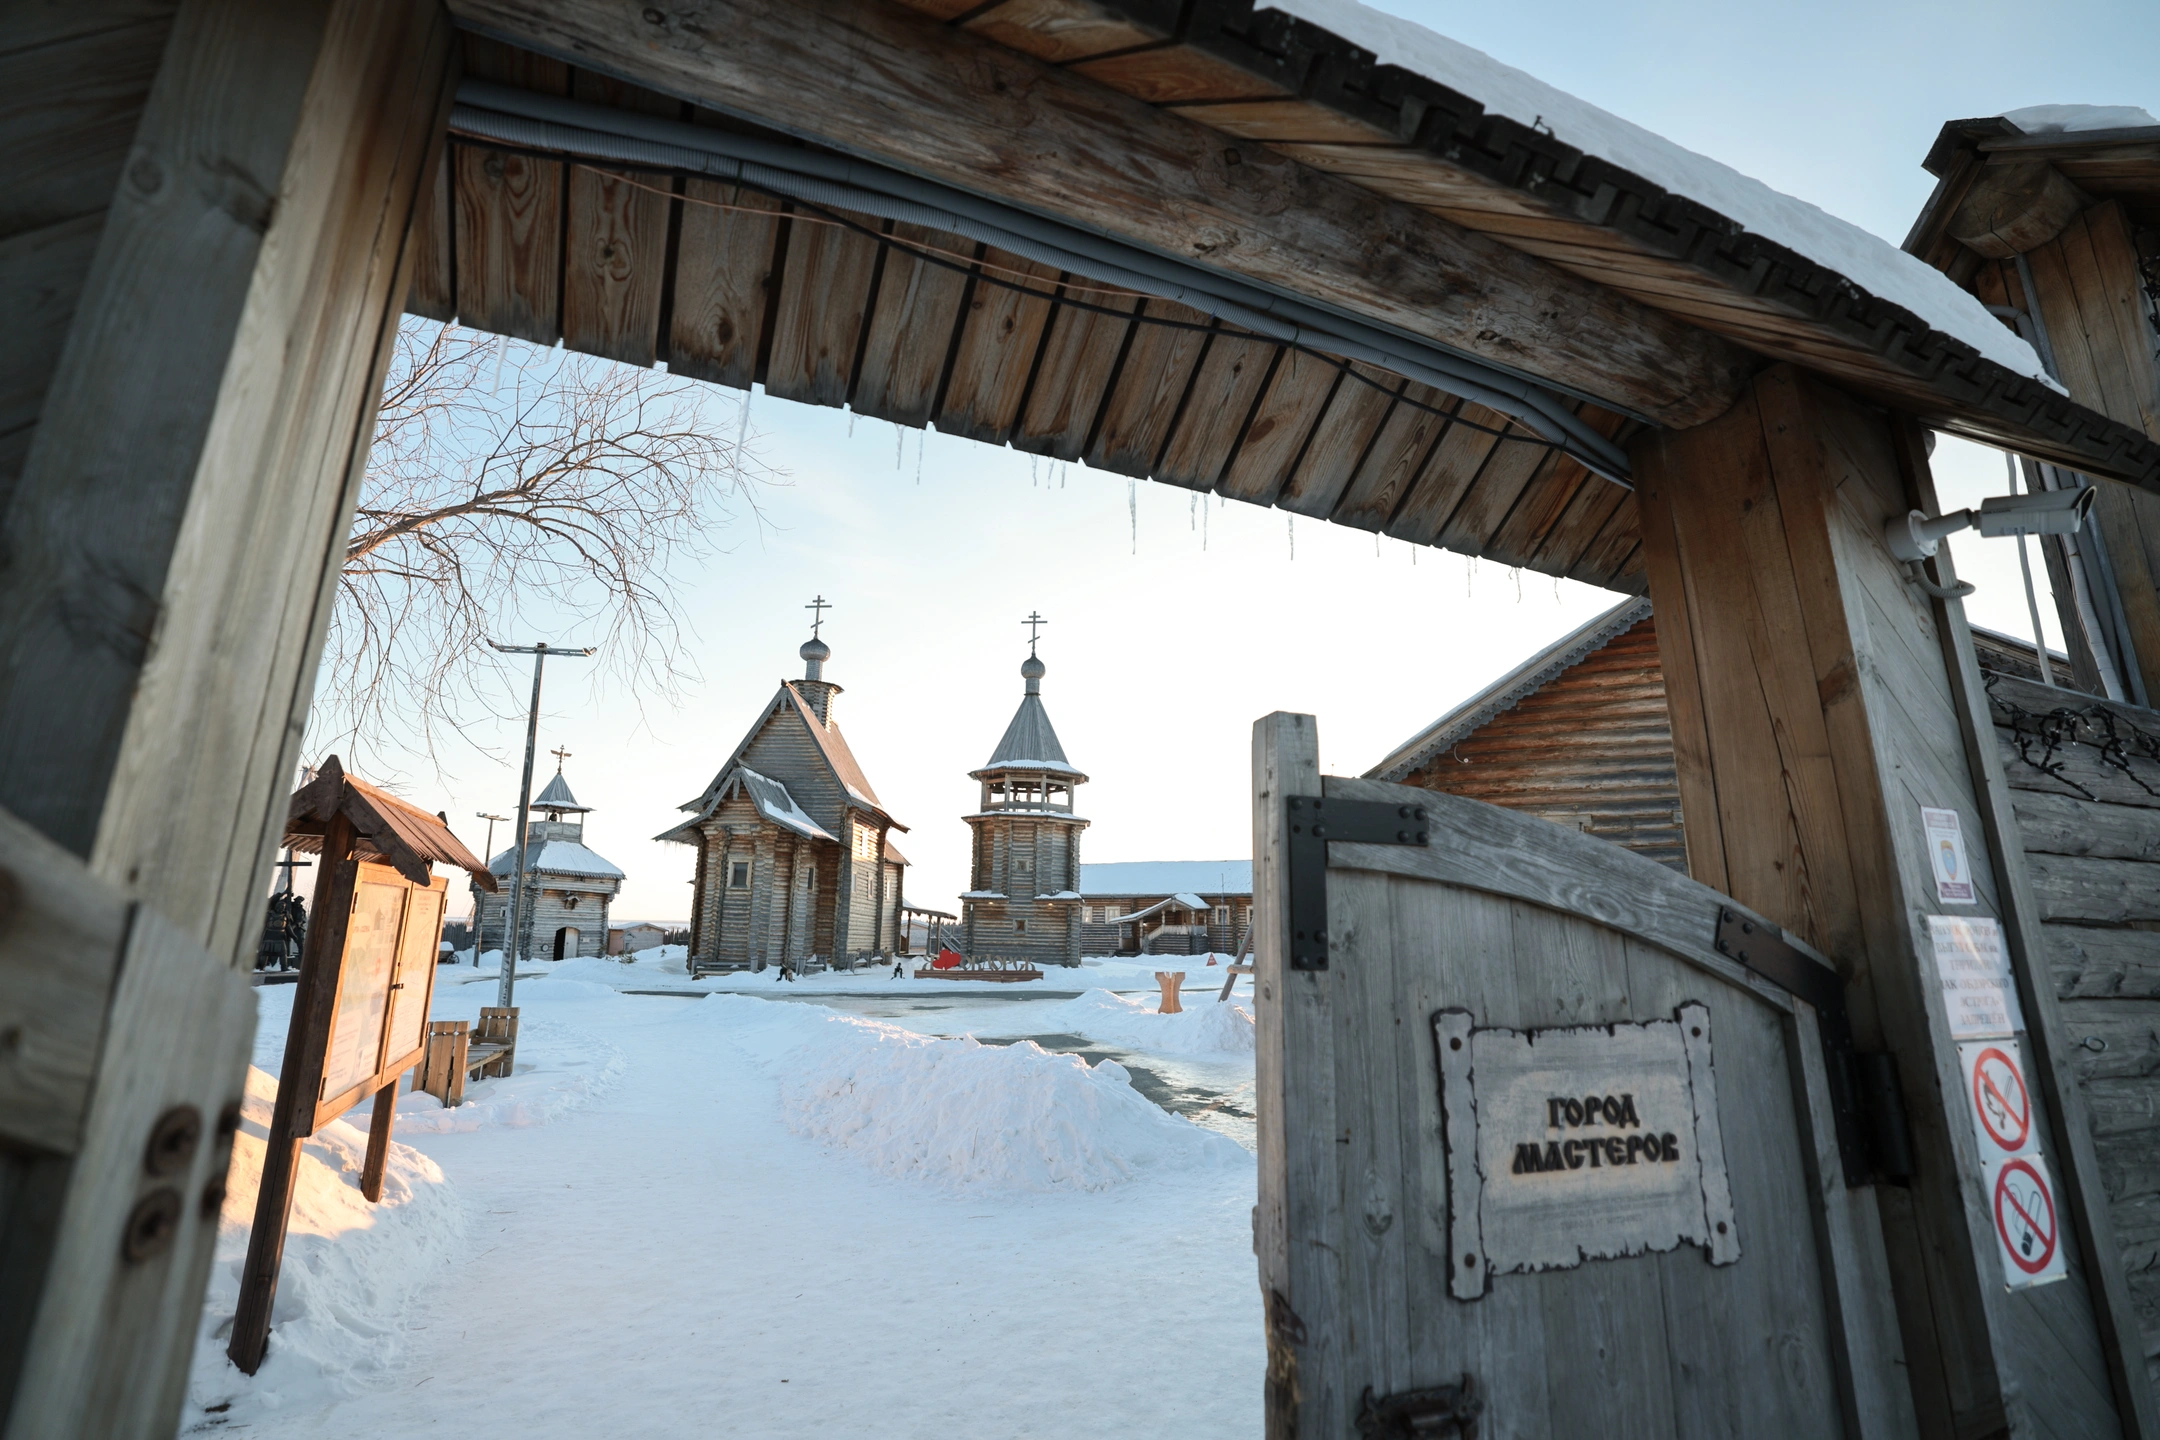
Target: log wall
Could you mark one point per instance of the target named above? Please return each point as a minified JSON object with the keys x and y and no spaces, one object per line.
{"x":2091,"y":824}
{"x":1591,"y":749}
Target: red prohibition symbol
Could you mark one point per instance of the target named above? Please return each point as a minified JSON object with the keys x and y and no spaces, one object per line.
{"x":2000,"y":1099}
{"x":2025,"y":1217}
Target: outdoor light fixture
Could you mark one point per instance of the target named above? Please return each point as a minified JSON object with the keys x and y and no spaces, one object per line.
{"x":2047,"y":512}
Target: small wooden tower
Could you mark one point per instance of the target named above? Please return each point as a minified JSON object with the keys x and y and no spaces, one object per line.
{"x":1023,"y":897}
{"x":572,"y":886}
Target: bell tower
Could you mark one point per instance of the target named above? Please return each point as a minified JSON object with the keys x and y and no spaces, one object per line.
{"x":1023,"y":898}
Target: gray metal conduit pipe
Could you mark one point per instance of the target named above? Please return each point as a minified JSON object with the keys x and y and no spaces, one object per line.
{"x":543,"y":122}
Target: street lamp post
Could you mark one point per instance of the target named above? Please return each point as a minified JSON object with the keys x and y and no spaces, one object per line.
{"x":488,"y":854}
{"x":518,"y":886}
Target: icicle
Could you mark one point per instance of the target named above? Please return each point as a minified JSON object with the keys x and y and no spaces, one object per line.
{"x":742,"y":433}
{"x":1293,"y":538}
{"x":1517,"y":570}
{"x":899,"y":443}
{"x":920,"y":441}
{"x":1032,"y":481}
{"x":1132,"y":505}
{"x":1203,"y":527}
{"x":1556,"y":587}
{"x":1470,"y":579}
{"x":1192,"y":513}
{"x":851,"y":424}
{"x":1375,"y":544}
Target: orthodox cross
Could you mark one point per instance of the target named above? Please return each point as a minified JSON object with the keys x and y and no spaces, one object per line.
{"x":1034,"y":622}
{"x":560,"y":755}
{"x":818,"y":607}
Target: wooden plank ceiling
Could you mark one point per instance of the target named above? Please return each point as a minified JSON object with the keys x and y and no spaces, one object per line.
{"x":727,"y":284}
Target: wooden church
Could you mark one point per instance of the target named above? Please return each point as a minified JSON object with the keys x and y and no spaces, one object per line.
{"x":1023,"y":897}
{"x":795,"y":860}
{"x":571,"y":885}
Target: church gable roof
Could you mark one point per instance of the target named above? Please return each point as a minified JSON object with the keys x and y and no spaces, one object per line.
{"x":832,"y":749}
{"x":1030,"y":742}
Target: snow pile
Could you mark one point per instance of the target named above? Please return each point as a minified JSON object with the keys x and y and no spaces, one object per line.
{"x":1869,"y":261}
{"x":559,"y":1069}
{"x":1131,"y":1023}
{"x":959,"y":1114}
{"x":351,"y":1269}
{"x":2072,"y":119}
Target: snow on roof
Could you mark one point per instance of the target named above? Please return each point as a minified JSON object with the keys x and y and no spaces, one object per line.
{"x":1874,"y":264}
{"x":1030,"y":742}
{"x":2070,"y":119}
{"x":1166,"y":878}
{"x":557,"y":796}
{"x":557,"y":857}
{"x":774,"y":803}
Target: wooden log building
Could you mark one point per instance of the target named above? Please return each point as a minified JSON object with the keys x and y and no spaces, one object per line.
{"x":1576,"y":734}
{"x":1166,"y":907}
{"x":569,"y":888}
{"x":1310,"y":257}
{"x":795,"y":860}
{"x":1022,"y":903}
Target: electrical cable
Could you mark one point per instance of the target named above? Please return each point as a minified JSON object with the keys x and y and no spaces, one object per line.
{"x":574,"y":128}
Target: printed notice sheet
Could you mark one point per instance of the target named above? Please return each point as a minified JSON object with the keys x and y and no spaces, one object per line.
{"x":1946,"y":854}
{"x":1975,"y":972}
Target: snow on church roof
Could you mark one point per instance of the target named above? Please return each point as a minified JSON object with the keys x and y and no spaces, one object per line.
{"x":1874,"y":264}
{"x":774,"y":803}
{"x":557,"y":857}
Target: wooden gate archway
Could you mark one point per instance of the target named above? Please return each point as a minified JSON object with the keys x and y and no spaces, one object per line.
{"x":211,"y":237}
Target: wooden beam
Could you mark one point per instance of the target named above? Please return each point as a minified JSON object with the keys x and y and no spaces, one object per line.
{"x":172,"y":542}
{"x":1814,"y":713}
{"x":167,"y":558}
{"x":872,"y":79}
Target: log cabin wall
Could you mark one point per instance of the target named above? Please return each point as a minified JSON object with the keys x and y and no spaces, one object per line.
{"x":1591,"y":749}
{"x":2091,"y":826}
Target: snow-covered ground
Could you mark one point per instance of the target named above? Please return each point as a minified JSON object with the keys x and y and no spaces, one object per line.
{"x":873,"y":1210}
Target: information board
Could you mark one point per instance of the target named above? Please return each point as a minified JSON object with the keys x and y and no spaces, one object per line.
{"x":386,"y":983}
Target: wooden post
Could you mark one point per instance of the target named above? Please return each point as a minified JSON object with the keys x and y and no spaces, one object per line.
{"x":169,"y":545}
{"x":378,"y":1141}
{"x":314,"y":1002}
{"x":1289,"y":1007}
{"x":1813,"y":715}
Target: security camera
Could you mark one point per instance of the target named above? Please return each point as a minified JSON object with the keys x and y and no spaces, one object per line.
{"x":2047,"y":512}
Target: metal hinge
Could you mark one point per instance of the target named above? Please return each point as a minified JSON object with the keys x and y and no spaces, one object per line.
{"x":1442,"y":1411}
{"x":1313,"y":822}
{"x":1866,"y":1103}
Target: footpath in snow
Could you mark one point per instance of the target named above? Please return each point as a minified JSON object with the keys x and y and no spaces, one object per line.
{"x":726,"y":1215}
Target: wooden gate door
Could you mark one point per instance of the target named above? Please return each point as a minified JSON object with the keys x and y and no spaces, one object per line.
{"x":1535,"y":1158}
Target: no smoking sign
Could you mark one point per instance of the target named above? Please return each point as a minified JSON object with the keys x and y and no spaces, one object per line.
{"x":1999,"y":1099}
{"x":2028,"y":1221}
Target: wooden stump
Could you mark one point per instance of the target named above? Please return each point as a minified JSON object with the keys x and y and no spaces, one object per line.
{"x":1170,"y":980}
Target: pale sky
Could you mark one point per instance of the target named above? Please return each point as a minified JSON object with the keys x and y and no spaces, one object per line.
{"x":1172,"y":631}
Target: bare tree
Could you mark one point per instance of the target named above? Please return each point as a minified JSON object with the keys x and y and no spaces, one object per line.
{"x":511,"y":488}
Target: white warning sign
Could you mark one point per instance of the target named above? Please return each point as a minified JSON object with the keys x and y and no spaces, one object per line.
{"x":2028,"y":1221}
{"x":1975,"y":973}
{"x":1999,"y":1099}
{"x":1946,"y":853}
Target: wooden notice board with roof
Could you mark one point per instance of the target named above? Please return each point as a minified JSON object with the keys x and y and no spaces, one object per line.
{"x":359,"y":1020}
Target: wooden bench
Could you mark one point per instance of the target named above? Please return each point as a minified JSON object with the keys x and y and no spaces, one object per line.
{"x":458,"y":1052}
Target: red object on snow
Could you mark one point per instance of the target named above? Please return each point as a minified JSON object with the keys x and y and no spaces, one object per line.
{"x":948,"y":960}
